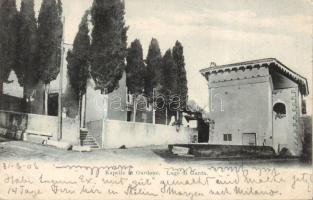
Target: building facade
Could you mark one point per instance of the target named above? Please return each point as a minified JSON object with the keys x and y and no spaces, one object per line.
{"x":117,"y":105}
{"x":256,"y":102}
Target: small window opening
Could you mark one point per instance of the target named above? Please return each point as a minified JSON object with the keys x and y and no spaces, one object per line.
{"x":227,"y":137}
{"x":279,"y":110}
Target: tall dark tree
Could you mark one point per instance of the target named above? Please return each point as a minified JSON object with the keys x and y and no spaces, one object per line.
{"x":154,"y":68}
{"x":27,"y":42}
{"x":27,"y":46}
{"x":178,"y":55}
{"x":135,"y":68}
{"x":135,"y":72}
{"x":170,"y":82}
{"x":170,"y":74}
{"x":108,"y":47}
{"x":78,"y":61}
{"x":49,"y":37}
{"x":8,"y":39}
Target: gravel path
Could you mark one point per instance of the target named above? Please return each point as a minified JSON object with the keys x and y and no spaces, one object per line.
{"x":22,"y":150}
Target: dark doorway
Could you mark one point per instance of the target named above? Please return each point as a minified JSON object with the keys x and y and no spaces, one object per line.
{"x":129,"y":115}
{"x":53,"y":104}
{"x":203,"y":131}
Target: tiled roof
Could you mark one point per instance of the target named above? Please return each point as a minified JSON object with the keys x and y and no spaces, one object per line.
{"x":265,"y":61}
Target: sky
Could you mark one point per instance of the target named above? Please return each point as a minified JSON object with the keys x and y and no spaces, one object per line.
{"x":220,"y":31}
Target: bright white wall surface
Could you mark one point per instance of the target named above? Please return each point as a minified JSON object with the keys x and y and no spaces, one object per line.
{"x":116,"y":133}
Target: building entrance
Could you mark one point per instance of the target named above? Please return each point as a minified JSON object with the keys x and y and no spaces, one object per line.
{"x":249,"y":139}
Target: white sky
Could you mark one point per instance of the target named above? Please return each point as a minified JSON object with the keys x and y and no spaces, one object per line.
{"x":223,"y":31}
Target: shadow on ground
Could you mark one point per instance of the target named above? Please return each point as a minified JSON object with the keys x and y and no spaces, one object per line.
{"x":272,"y":161}
{"x":2,"y":139}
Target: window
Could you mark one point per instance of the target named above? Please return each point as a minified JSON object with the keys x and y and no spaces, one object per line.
{"x":227,"y":137}
{"x":280,"y":110}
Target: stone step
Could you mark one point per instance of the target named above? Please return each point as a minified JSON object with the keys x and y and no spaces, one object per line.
{"x":86,"y":136}
{"x":83,"y":130}
{"x":88,"y":142}
{"x":94,"y":147}
{"x":86,"y":139}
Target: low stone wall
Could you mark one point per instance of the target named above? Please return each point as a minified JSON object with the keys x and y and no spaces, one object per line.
{"x":226,"y":151}
{"x":70,"y":131}
{"x":17,"y":125}
{"x":114,"y":133}
{"x":42,"y":125}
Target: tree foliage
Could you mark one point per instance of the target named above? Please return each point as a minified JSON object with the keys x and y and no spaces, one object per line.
{"x":78,"y":59}
{"x":170,"y":77}
{"x":49,"y":37}
{"x":135,"y":68}
{"x":154,"y":68}
{"x":178,"y":56}
{"x":108,"y":47}
{"x":27,"y":44}
{"x":8,"y":38}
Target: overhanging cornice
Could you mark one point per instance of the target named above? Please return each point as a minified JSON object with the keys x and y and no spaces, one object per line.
{"x":267,"y":62}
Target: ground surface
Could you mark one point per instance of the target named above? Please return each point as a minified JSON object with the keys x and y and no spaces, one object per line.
{"x":21,"y":150}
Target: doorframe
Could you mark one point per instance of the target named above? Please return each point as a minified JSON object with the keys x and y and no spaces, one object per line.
{"x":247,"y":134}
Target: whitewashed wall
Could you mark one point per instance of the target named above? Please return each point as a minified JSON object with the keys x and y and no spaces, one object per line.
{"x":116,"y":133}
{"x":49,"y":126}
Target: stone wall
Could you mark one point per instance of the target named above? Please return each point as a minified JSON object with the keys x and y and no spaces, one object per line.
{"x":238,"y":108}
{"x":116,"y":133}
{"x":241,"y":104}
{"x":286,"y":129}
{"x":111,"y":106}
{"x":71,"y":131}
{"x":20,"y":125}
{"x":42,"y":124}
{"x":306,"y":125}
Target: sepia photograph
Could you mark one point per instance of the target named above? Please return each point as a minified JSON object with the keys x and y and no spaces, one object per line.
{"x":157,"y":99}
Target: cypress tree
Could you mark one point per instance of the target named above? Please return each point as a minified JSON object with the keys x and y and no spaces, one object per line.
{"x":154,"y":68}
{"x":8,"y":39}
{"x":78,"y":62}
{"x":27,"y":42}
{"x":78,"y":59}
{"x":49,"y":37}
{"x":170,"y":73}
{"x":108,"y":47}
{"x":178,"y":55}
{"x":135,"y":68}
{"x":26,"y":70}
{"x":170,"y":81}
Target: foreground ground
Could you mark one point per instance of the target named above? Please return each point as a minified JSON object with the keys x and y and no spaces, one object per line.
{"x":21,"y":150}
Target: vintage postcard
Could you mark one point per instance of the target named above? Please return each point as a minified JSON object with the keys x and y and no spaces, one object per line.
{"x":156,"y":99}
